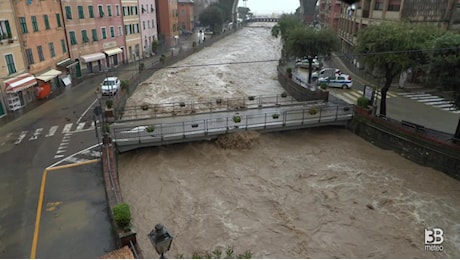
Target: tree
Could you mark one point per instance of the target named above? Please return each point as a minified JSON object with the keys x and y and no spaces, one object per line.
{"x":391,"y":48}
{"x":308,"y":42}
{"x":212,"y":17}
{"x":225,"y":7}
{"x":286,"y":23}
{"x":244,"y":12}
{"x":445,"y":63}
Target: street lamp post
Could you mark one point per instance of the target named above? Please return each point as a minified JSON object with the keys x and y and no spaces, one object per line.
{"x":161,"y":239}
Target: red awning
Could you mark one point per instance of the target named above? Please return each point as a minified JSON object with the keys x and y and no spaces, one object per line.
{"x":19,"y":83}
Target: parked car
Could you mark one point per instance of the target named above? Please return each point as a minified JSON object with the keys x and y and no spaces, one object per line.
{"x":325,"y":72}
{"x":337,"y":81}
{"x":303,"y":63}
{"x":110,"y":86}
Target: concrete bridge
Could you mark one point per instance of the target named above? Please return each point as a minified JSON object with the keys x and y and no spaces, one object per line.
{"x":263,"y":114}
{"x":263,"y":19}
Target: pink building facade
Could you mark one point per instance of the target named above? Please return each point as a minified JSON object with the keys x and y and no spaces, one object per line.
{"x":94,"y":34}
{"x":148,"y":25}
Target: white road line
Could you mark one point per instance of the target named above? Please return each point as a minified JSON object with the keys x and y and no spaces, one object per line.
{"x":410,"y":95}
{"x":36,"y":134}
{"x":440,"y":103}
{"x":21,"y":136}
{"x":58,"y":156}
{"x":86,"y":111}
{"x":80,"y":126}
{"x":52,"y":131}
{"x":67,"y":128}
{"x":424,"y":100}
{"x":61,"y":161}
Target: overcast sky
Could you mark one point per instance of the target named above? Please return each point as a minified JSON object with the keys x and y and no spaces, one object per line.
{"x":268,"y":7}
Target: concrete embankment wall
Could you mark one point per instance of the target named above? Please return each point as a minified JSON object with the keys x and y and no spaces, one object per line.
{"x":442,"y":155}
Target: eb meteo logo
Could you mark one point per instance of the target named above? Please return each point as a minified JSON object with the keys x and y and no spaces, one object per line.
{"x":433,"y":240}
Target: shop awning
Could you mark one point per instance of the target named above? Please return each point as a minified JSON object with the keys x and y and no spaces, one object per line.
{"x":113,"y":51}
{"x":49,"y":75}
{"x":19,"y":83}
{"x":67,"y":63}
{"x":93,"y":57}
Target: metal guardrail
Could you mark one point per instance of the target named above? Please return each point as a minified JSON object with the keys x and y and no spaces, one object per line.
{"x":128,"y":137}
{"x":209,"y":106}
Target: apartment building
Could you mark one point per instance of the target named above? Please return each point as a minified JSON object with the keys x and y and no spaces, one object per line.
{"x":132,"y":29}
{"x":16,"y":85}
{"x":94,"y":34}
{"x":168,"y":22}
{"x":329,"y":13}
{"x":41,"y":35}
{"x":353,"y":18}
{"x":186,"y":15}
{"x":148,"y":21}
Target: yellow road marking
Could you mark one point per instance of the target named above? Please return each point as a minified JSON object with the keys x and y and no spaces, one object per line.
{"x":33,"y":251}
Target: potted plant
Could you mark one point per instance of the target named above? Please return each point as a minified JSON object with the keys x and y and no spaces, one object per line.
{"x":109,"y":114}
{"x":122,"y":216}
{"x":284,"y":94}
{"x":163,"y":58}
{"x":323,"y":85}
{"x":236,"y":118}
{"x":312,"y":111}
{"x":275,"y":116}
{"x":150,"y":128}
{"x":251,"y":98}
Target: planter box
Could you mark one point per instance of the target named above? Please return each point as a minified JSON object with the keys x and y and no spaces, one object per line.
{"x":126,"y":236}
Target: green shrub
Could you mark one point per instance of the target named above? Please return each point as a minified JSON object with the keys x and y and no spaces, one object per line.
{"x":313,"y":111}
{"x":109,"y":103}
{"x":364,"y":102}
{"x":323,"y":85}
{"x":124,"y":84}
{"x":122,"y":215}
{"x":284,"y":94}
{"x":275,"y":116}
{"x":236,"y":118}
{"x":289,"y":70}
{"x":150,"y":128}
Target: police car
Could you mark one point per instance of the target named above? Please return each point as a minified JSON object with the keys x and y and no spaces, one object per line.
{"x":337,"y":81}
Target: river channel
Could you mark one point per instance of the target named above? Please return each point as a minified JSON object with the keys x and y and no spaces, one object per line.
{"x":316,"y":193}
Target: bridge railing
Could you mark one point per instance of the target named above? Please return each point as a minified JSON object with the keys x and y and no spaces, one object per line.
{"x":168,"y":109}
{"x":314,"y":115}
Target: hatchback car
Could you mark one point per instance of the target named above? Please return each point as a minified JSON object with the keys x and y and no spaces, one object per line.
{"x":339,"y":81}
{"x":110,"y":86}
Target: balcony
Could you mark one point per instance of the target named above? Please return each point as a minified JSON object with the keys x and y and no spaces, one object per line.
{"x":4,"y":38}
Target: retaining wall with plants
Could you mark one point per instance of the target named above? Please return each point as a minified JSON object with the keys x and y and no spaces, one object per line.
{"x":299,"y":92}
{"x":423,"y":149}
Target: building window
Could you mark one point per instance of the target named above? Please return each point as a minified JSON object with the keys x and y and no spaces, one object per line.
{"x":73,"y":39}
{"x":109,"y":10}
{"x":64,"y":48}
{"x":378,"y":5}
{"x":40,"y":53}
{"x":81,"y":13}
{"x":94,"y":34}
{"x":134,"y":10}
{"x":47,"y":22}
{"x":84,"y":36}
{"x":182,"y":12}
{"x":120,"y":31}
{"x":112,"y":31}
{"x":91,"y":11}
{"x":101,"y":10}
{"x":143,"y":9}
{"x":30,"y":56}
{"x":34,"y":23}
{"x":152,"y":9}
{"x":104,"y":33}
{"x":136,"y":28}
{"x":127,"y":30}
{"x":117,"y":10}
{"x":10,"y":64}
{"x":58,"y":20}
{"x":5,"y":30}
{"x":394,"y":5}
{"x":23,"y":24}
{"x":125,"y":10}
{"x":52,"y":52}
{"x":68,"y":12}
{"x":174,"y":27}
{"x":143,"y":25}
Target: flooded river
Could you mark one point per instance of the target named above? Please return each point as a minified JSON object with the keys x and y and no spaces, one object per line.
{"x":316,"y":193}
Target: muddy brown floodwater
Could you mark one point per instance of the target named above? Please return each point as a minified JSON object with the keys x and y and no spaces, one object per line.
{"x":316,"y":193}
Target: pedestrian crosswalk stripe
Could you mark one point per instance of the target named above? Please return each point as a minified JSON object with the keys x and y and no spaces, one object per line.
{"x":52,"y":131}
{"x":67,"y":128}
{"x":21,"y":136}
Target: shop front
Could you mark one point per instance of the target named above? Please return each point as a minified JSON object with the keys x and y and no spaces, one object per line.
{"x":48,"y":83}
{"x":112,"y":59}
{"x":93,"y":62}
{"x":68,"y":68}
{"x":19,"y":91}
